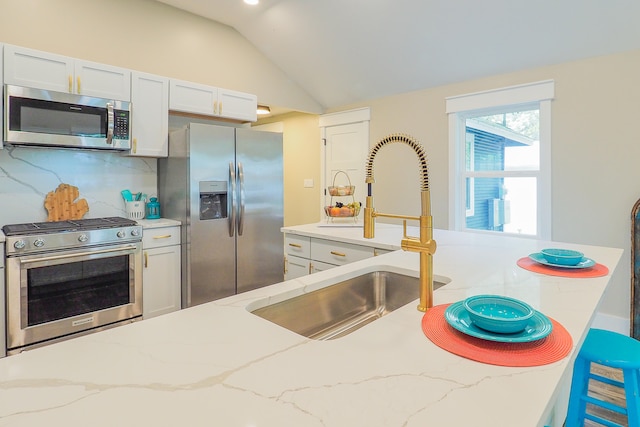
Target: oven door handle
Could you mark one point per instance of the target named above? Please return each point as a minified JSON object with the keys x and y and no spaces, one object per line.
{"x":127,"y":248}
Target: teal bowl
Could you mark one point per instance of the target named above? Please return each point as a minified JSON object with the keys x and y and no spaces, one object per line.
{"x":498,"y":314}
{"x":562,"y":256}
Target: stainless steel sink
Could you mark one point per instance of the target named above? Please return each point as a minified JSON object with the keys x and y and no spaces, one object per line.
{"x":338,"y":310}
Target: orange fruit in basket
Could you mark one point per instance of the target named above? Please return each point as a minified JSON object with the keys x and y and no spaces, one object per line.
{"x":334,"y":211}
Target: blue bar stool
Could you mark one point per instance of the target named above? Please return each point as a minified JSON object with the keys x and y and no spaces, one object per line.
{"x":613,"y":350}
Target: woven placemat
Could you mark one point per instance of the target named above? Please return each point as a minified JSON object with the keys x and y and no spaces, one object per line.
{"x":552,"y":348}
{"x":597,"y":270}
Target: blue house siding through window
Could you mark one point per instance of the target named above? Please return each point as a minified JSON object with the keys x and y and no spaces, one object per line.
{"x":489,"y":153}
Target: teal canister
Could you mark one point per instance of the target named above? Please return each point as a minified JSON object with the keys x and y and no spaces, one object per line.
{"x":153,"y":208}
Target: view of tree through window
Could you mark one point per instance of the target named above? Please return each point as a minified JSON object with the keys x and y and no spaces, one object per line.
{"x":502,"y":160}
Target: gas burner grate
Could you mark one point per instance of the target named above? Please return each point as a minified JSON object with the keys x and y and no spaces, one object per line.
{"x":69,"y":225}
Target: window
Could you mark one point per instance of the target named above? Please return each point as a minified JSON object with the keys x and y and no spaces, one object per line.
{"x":500,"y":160}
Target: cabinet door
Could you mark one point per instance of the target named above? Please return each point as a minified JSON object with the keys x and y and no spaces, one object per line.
{"x":102,"y":81}
{"x":192,"y":97}
{"x":237,"y":105}
{"x":295,"y":267}
{"x":150,"y":115}
{"x":161,"y":281}
{"x":320,"y":266}
{"x":39,"y":70}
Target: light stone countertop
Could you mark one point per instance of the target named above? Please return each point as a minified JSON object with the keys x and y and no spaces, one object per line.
{"x":157,"y":223}
{"x":218,"y":365}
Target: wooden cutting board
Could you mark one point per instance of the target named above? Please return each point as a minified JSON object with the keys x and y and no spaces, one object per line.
{"x":62,"y":205}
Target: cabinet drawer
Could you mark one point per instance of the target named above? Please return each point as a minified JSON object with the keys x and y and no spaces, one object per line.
{"x":338,"y":253}
{"x":158,"y":237}
{"x":316,"y":266}
{"x":295,"y":267}
{"x":297,"y":245}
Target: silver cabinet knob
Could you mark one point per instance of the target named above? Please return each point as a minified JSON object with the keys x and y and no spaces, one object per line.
{"x":135,"y":232}
{"x":38,"y":243}
{"x":19,"y":244}
{"x":120,"y":234}
{"x":83,"y":238}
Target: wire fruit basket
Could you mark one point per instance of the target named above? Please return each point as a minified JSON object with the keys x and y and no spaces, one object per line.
{"x":340,"y":209}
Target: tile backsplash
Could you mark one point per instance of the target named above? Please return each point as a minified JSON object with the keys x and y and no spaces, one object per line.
{"x":28,"y":174}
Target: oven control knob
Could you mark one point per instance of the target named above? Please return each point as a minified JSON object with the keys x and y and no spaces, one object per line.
{"x":135,"y":232}
{"x":38,"y":243}
{"x":19,"y":244}
{"x":121,"y":234}
{"x":83,"y":238}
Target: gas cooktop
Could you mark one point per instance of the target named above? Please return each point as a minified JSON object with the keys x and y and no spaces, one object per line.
{"x":69,"y":225}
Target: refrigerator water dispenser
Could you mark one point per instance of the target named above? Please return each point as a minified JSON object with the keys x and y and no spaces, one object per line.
{"x":213,"y":199}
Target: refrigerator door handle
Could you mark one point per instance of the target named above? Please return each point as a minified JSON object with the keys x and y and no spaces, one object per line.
{"x":231,"y":203}
{"x":241,"y":201}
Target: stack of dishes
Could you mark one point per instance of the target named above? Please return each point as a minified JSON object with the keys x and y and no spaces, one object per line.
{"x":498,"y":318}
{"x":562,"y":258}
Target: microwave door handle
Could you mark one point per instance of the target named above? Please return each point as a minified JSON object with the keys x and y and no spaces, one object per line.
{"x":231,"y":202}
{"x":110,"y":122}
{"x":241,"y":193}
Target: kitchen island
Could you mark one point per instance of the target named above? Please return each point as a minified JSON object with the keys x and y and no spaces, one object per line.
{"x":219,"y":365}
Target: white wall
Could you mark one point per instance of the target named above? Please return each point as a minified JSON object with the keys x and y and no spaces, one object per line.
{"x":149,"y":36}
{"x":595,"y":153}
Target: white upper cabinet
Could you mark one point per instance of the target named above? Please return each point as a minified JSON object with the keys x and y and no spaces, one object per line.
{"x":102,"y":81}
{"x":149,"y":115}
{"x":196,"y":98}
{"x":43,"y":70}
{"x":237,"y":105}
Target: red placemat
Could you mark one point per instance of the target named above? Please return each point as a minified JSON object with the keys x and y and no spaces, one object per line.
{"x":595,"y":271}
{"x":552,"y":348}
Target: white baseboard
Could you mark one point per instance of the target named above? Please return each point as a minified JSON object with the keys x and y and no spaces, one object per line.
{"x":609,"y":322}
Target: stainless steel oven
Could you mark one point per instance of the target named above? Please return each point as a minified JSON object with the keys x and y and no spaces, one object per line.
{"x":79,"y":277}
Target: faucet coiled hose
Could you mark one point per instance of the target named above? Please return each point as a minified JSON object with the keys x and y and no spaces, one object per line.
{"x":411,"y":142}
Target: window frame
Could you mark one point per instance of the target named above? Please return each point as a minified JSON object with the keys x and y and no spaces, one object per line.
{"x":459,"y":108}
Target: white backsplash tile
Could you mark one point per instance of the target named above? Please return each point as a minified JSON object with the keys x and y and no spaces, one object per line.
{"x":28,"y":174}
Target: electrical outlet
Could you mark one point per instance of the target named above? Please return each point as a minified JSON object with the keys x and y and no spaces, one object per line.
{"x":308,"y":183}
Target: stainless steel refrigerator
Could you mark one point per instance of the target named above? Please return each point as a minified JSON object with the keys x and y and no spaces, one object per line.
{"x":225,"y":185}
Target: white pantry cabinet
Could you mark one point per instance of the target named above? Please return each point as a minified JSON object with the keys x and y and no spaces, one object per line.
{"x":188,"y":97}
{"x":43,"y":70}
{"x":149,"y":115}
{"x":161,"y":292}
{"x":307,"y":255}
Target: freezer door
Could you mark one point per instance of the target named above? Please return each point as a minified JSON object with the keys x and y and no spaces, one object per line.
{"x":211,"y":247}
{"x":260,"y":209}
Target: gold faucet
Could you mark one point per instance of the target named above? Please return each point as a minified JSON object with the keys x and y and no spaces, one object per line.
{"x":424,"y":244}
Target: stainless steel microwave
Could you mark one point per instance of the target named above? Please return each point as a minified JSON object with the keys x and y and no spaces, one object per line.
{"x":56,"y":119}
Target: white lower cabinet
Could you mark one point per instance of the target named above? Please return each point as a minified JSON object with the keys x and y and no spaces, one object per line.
{"x":161,"y":271}
{"x":295,"y":266}
{"x":307,"y":255}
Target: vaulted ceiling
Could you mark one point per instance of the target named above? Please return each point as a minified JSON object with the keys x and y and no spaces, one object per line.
{"x":346,"y":51}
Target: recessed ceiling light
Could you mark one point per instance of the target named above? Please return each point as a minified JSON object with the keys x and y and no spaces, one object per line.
{"x":252,"y":2}
{"x":263,"y":109}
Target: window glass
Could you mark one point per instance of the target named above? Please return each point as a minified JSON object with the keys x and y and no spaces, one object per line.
{"x":500,"y":144}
